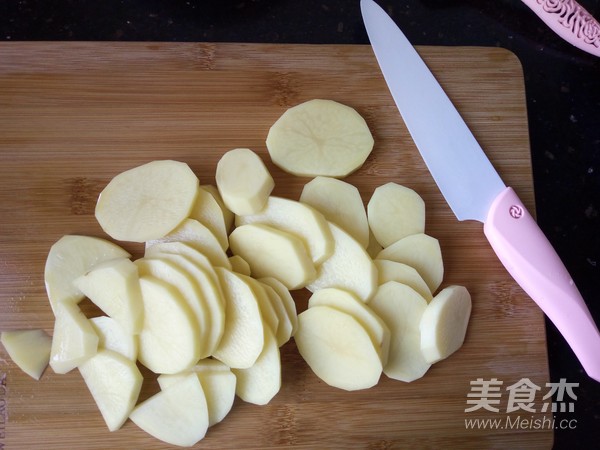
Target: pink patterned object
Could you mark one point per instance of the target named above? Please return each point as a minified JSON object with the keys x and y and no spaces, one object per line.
{"x":570,"y":21}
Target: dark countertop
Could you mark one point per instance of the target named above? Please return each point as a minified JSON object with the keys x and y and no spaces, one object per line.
{"x":562,"y":87}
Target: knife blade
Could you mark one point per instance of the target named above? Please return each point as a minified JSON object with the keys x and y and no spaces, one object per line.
{"x":475,"y":191}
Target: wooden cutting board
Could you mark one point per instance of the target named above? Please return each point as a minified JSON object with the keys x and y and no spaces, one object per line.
{"x":73,"y":115}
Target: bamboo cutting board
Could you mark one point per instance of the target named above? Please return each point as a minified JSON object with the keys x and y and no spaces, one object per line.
{"x":73,"y":115}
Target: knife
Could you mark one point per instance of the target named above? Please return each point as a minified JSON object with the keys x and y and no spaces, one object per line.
{"x":475,"y":191}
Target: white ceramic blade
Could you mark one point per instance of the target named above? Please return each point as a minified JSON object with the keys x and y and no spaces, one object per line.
{"x":459,"y":166}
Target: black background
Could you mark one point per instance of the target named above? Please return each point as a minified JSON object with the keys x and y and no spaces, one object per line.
{"x":562,"y":88}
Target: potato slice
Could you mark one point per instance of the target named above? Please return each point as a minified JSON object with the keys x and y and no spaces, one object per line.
{"x":70,"y":257}
{"x":401,"y":308}
{"x":114,"y":287}
{"x":243,"y":338}
{"x":338,"y":348}
{"x":444,"y":323}
{"x":177,"y":415}
{"x":348,"y":303}
{"x":148,"y":201}
{"x":208,"y":212}
{"x":228,"y":216}
{"x":284,"y":330}
{"x":243,"y":181}
{"x":115,"y":383}
{"x":74,"y":339}
{"x":218,"y":383}
{"x":402,"y":273}
{"x":423,"y":253}
{"x":271,"y":252}
{"x":112,"y":336}
{"x":29,"y":349}
{"x":267,"y":310}
{"x":298,"y":219}
{"x":170,"y":339}
{"x":240,"y":265}
{"x":394,"y":212}
{"x":198,"y":236}
{"x":286,"y":298}
{"x":340,"y":203}
{"x":259,"y":383}
{"x":320,"y":137}
{"x":349,"y":267}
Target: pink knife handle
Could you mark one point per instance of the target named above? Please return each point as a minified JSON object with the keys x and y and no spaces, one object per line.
{"x":570,"y":21}
{"x":533,"y":263}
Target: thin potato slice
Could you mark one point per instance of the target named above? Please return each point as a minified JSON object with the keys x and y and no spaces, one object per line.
{"x":112,"y":336}
{"x":320,"y":137}
{"x":29,"y":349}
{"x":148,"y":201}
{"x":208,"y":212}
{"x":286,"y":298}
{"x":402,"y":273}
{"x":444,"y":323}
{"x":228,"y":216}
{"x":284,"y":323}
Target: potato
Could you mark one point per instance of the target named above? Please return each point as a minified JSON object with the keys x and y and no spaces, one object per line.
{"x":115,"y":383}
{"x":70,"y":257}
{"x":284,"y":330}
{"x":348,"y":303}
{"x":114,"y":287}
{"x":423,"y":253}
{"x":298,"y":219}
{"x":271,"y":252}
{"x":243,"y":338}
{"x":394,"y":212}
{"x":228,"y":216}
{"x":148,"y":201}
{"x":319,"y":137}
{"x":208,"y":212}
{"x":340,"y":203}
{"x":240,"y":265}
{"x":267,"y":310}
{"x":198,"y":236}
{"x":112,"y":336}
{"x":402,"y":273}
{"x":177,"y":415}
{"x":243,"y":181}
{"x":444,"y":323}
{"x":170,"y":339}
{"x":286,"y":298}
{"x":74,"y":339}
{"x":401,"y":308}
{"x":350,"y":267}
{"x":338,"y":348}
{"x":29,"y":349}
{"x":259,"y":383}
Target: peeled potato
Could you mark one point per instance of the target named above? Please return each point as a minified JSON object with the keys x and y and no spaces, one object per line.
{"x":148,"y":201}
{"x":402,"y":273}
{"x":244,"y":181}
{"x":29,"y":349}
{"x":394,"y":212}
{"x":444,"y":323}
{"x":112,"y":336}
{"x":208,"y":212}
{"x":320,"y":137}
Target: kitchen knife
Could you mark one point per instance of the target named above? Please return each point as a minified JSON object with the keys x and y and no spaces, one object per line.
{"x":475,"y":191}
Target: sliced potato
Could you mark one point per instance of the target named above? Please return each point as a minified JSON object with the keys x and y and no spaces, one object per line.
{"x":228,"y":216}
{"x":240,"y":265}
{"x":267,"y":310}
{"x":243,"y":181}
{"x":208,"y":212}
{"x":177,"y":415}
{"x":401,"y":308}
{"x":402,"y":273}
{"x":259,"y":383}
{"x":340,"y":203}
{"x":338,"y":348}
{"x":421,"y":252}
{"x":115,"y":383}
{"x":29,"y":349}
{"x":74,"y":340}
{"x":243,"y":338}
{"x":195,"y":234}
{"x":271,"y":252}
{"x":170,"y":339}
{"x":349,"y":267}
{"x":284,"y":330}
{"x":348,"y":303}
{"x":112,"y":336}
{"x":444,"y":323}
{"x":298,"y":219}
{"x":148,"y":201}
{"x":394,"y":212}
{"x":286,"y":298}
{"x":114,"y":287}
{"x":70,"y":257}
{"x":320,"y":137}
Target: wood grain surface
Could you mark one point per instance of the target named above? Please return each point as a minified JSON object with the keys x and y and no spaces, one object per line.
{"x":73,"y":115}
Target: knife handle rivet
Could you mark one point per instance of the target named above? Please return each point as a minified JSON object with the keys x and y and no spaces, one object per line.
{"x":516,"y":211}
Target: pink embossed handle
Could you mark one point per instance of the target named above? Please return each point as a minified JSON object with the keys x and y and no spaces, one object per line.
{"x":570,"y":21}
{"x":533,"y":263}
